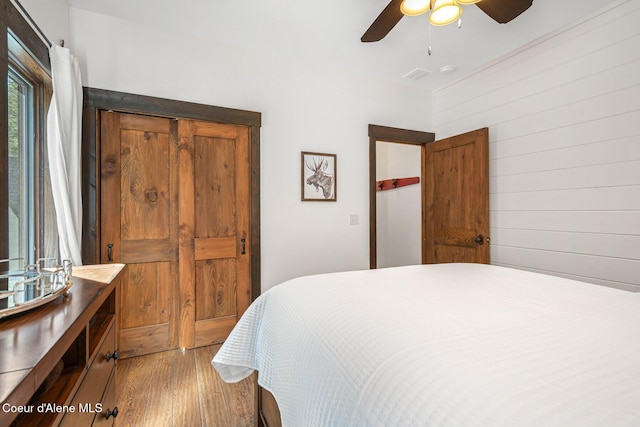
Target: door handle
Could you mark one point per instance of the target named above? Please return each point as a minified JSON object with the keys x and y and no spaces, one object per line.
{"x":109,"y":252}
{"x":244,"y":247}
{"x":479,"y":239}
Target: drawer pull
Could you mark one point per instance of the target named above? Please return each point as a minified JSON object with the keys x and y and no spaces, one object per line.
{"x":114,"y":356}
{"x":111,"y":413}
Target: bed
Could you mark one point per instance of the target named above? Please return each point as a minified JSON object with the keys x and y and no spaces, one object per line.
{"x":441,"y":345}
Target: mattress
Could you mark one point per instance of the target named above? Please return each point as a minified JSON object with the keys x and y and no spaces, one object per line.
{"x":442,"y":345}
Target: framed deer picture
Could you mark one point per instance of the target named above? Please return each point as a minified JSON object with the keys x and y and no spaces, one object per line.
{"x":318,"y":177}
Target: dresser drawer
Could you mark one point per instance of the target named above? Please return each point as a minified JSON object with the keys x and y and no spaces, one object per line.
{"x":88,"y":399}
{"x":109,"y":412}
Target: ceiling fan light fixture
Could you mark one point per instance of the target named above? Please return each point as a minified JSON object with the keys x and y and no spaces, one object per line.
{"x":467,"y":1}
{"x":445,"y":12}
{"x":415,"y":7}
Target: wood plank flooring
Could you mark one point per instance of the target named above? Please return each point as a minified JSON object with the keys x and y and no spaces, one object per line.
{"x":174,"y":389}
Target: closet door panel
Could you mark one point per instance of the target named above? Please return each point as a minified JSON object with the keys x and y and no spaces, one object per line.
{"x":215,"y":288}
{"x":175,"y":207}
{"x":139,"y":225}
{"x":146,"y":296}
{"x":215,"y":201}
{"x":221,"y":279}
{"x":146,"y":208}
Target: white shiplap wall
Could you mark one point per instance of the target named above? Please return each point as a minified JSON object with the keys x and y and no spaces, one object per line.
{"x":564,"y":129}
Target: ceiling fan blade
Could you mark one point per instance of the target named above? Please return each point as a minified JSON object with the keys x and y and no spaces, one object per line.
{"x":387,"y":19}
{"x":503,"y":11}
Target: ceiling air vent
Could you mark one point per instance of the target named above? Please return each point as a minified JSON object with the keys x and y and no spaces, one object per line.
{"x":417,"y":74}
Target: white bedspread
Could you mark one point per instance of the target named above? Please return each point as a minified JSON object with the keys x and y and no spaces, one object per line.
{"x":442,"y":345}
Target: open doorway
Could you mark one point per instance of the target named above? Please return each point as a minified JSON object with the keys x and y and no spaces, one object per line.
{"x":398,"y":204}
{"x":390,"y":137}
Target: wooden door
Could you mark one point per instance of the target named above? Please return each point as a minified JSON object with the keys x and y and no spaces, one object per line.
{"x":139,"y":225}
{"x":215,"y":276}
{"x":174,"y":207}
{"x":456,"y":226}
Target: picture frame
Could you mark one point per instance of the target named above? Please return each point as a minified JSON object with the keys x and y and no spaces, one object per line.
{"x":318,"y":177}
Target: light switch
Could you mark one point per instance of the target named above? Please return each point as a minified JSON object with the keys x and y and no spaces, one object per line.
{"x":354,"y":219}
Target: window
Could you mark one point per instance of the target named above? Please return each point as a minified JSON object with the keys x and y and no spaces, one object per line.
{"x":21,"y":168}
{"x":27,"y":220}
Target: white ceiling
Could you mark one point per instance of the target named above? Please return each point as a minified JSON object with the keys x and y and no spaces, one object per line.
{"x":327,"y":32}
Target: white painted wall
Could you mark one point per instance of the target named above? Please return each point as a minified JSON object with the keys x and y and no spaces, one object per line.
{"x":51,"y":16}
{"x":398,"y":211}
{"x":564,"y":129}
{"x":305,"y":107}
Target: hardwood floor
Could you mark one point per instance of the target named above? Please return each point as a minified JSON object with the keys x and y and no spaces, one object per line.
{"x":173,"y":389}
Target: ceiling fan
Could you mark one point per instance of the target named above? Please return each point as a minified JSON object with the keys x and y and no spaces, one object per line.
{"x":501,"y":11}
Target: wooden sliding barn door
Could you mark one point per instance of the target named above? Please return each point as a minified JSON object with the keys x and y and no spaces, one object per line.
{"x":175,"y":208}
{"x":139,"y":226}
{"x":456,"y":220}
{"x":214,"y":217}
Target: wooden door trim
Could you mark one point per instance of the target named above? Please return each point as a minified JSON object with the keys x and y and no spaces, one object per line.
{"x":400,"y":136}
{"x":96,"y":100}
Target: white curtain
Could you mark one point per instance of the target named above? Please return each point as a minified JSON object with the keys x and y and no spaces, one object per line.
{"x":64,"y":133}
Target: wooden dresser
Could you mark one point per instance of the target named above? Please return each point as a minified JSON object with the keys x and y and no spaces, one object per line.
{"x":57,"y":362}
